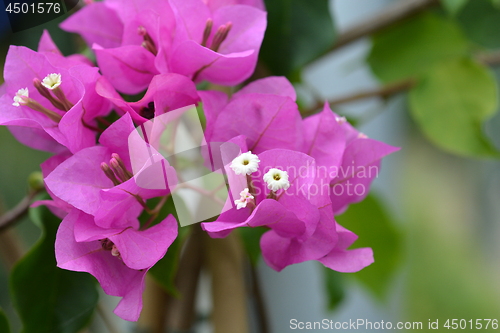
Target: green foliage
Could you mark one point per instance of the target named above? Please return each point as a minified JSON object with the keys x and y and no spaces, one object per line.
{"x":4,"y":323}
{"x":410,"y":48}
{"x":334,"y":287}
{"x":454,"y":6}
{"x":480,"y":21}
{"x":451,"y":102}
{"x":375,"y":229}
{"x":201,"y":115}
{"x":297,"y":32}
{"x":251,"y":242}
{"x":47,"y":298}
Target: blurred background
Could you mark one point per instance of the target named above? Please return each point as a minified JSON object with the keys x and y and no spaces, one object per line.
{"x":433,"y":215}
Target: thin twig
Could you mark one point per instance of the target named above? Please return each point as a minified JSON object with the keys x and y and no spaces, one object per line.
{"x":383,"y":92}
{"x":16,"y":213}
{"x":395,"y":13}
{"x":490,"y":59}
{"x":108,"y":322}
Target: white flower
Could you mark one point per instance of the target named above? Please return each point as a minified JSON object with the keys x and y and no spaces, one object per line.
{"x":340,"y":120}
{"x":276,"y":179}
{"x":52,"y":81}
{"x":245,"y":198}
{"x":246,"y":163}
{"x":19,"y":96}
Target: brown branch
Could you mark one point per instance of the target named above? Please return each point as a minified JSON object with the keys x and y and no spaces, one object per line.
{"x":18,"y":211}
{"x":383,"y":92}
{"x":394,"y":14}
{"x":490,"y":59}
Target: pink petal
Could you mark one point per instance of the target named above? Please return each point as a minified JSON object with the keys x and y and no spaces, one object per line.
{"x":46,"y":44}
{"x":247,"y":32}
{"x":115,"y":278}
{"x":272,"y":85}
{"x":142,"y":249}
{"x":190,"y":59}
{"x":325,"y":141}
{"x":348,"y":261}
{"x":268,"y":121}
{"x":115,"y":137}
{"x":96,"y":23}
{"x":129,"y":68}
{"x":360,"y":165}
{"x":79,"y":179}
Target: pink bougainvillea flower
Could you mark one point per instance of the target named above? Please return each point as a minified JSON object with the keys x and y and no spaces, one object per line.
{"x":324,"y":139}
{"x":345,"y":156}
{"x":118,"y":258}
{"x":360,"y":165}
{"x":287,"y":195}
{"x":98,"y":180}
{"x":166,"y":92}
{"x":220,"y":46}
{"x":127,"y":36}
{"x":52,"y":100}
{"x":289,"y":199}
{"x":264,"y":111}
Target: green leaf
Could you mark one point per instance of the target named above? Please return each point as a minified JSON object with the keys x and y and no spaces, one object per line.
{"x":4,"y":323}
{"x":165,"y":270}
{"x":375,"y":229}
{"x":334,"y":287}
{"x":298,"y":31}
{"x":251,"y":242}
{"x":454,"y":6}
{"x":480,"y":21}
{"x":47,"y":298}
{"x":410,"y":48}
{"x":451,"y":102}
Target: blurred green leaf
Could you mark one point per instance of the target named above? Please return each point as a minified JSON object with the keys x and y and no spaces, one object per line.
{"x":297,"y":32}
{"x":4,"y":323}
{"x":496,"y":3}
{"x":47,"y":298}
{"x":454,"y":6}
{"x":165,"y":270}
{"x":410,"y":48}
{"x":334,"y":287}
{"x":451,"y":102}
{"x":201,"y":115}
{"x":480,"y":21}
{"x":375,"y":229}
{"x":251,"y":242}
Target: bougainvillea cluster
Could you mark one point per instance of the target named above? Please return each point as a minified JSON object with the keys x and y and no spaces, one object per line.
{"x":292,"y":176}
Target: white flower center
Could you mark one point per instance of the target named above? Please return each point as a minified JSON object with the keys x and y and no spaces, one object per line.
{"x":246,"y":197}
{"x":23,"y":92}
{"x":340,"y":120}
{"x":52,"y":81}
{"x":114,"y":251}
{"x":245,"y":164}
{"x":276,"y":179}
{"x":362,"y":136}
